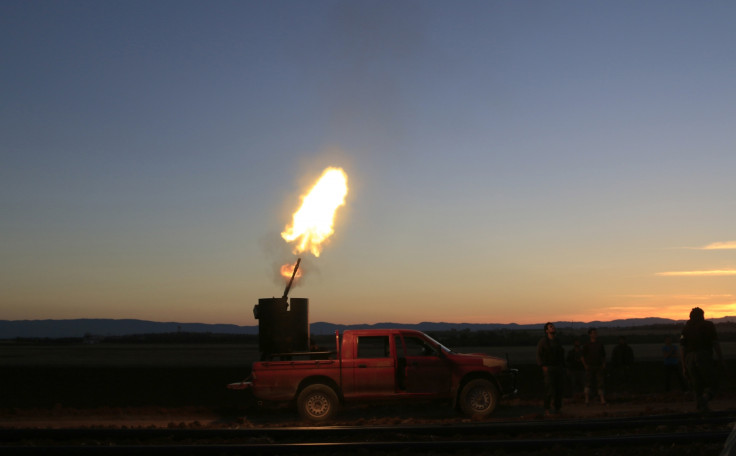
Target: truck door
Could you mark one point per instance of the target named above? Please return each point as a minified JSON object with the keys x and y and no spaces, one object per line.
{"x":426,"y":369}
{"x":373,"y":366}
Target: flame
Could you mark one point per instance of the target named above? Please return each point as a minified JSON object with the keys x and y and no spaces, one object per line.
{"x":288,"y":269}
{"x":313,"y":223}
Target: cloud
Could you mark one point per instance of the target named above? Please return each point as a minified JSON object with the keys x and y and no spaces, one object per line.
{"x":685,"y":297}
{"x":672,"y":310}
{"x":713,"y":273}
{"x":728,"y":308}
{"x":720,"y":245}
{"x":673,"y":306}
{"x":727,"y":245}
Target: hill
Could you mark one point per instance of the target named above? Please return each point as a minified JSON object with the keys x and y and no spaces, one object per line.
{"x":56,"y":329}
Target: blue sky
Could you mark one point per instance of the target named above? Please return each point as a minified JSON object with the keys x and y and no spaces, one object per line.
{"x":508,"y":161}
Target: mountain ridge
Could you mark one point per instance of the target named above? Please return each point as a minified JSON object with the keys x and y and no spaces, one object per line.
{"x":70,"y":328}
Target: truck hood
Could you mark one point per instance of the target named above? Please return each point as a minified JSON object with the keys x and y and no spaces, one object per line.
{"x":482,"y":359}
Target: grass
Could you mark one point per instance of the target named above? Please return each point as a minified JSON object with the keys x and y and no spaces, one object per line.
{"x":227,"y":355}
{"x":128,"y":355}
{"x":177,"y":375}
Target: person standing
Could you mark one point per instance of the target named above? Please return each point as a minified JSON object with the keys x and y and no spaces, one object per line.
{"x":622,"y":365}
{"x":551,"y":358}
{"x":699,"y":340}
{"x":594,"y":360}
{"x":575,"y":368}
{"x":671,"y":355}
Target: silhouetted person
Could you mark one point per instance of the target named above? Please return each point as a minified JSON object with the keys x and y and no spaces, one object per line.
{"x":551,"y":358}
{"x":594,"y":360}
{"x":575,"y":368}
{"x":671,"y":356}
{"x":622,"y":363}
{"x":699,"y":340}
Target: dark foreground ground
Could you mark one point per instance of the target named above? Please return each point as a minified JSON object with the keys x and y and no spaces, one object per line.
{"x":117,"y":397}
{"x":89,"y":387}
{"x":169,"y":381}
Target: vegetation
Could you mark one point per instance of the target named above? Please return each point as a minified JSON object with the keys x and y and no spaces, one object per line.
{"x":567,"y":336}
{"x":450,"y":338}
{"x":154,"y":338}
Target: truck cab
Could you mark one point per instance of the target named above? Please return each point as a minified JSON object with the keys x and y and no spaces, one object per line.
{"x":394,"y":363}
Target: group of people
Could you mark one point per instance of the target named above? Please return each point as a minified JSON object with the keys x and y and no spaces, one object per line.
{"x":590,"y":357}
{"x":586,"y":363}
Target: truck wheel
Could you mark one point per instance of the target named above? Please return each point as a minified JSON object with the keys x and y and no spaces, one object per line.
{"x":479,"y":398}
{"x":317,"y":403}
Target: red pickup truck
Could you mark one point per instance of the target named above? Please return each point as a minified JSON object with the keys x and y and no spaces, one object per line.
{"x":380,"y":364}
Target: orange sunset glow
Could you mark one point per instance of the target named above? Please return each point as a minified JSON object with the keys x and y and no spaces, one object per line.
{"x":662,"y":307}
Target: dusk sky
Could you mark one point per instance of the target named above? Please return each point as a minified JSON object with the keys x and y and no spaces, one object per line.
{"x":507,"y":161}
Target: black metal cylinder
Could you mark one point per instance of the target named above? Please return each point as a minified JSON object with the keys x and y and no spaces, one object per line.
{"x":283,"y":325}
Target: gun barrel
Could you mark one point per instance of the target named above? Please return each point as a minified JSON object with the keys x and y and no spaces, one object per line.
{"x":293,"y":275}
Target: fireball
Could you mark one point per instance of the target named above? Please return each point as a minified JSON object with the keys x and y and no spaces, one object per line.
{"x":287,"y":270}
{"x":313,"y":223}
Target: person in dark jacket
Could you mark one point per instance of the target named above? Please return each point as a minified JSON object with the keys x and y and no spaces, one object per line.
{"x":575,"y":368}
{"x":671,"y":356}
{"x":699,"y":340}
{"x":594,"y":360}
{"x":622,"y":365}
{"x":551,"y":358}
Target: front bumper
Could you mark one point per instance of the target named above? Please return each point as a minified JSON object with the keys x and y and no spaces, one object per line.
{"x":245,"y":384}
{"x":507,"y":380}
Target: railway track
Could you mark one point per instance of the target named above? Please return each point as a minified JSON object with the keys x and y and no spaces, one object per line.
{"x":671,"y":431}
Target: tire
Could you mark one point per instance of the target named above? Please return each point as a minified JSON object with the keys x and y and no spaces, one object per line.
{"x":479,"y":398}
{"x":317,"y":403}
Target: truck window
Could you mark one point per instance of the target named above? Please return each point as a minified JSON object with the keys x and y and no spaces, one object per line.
{"x":418,"y":347}
{"x":373,"y":347}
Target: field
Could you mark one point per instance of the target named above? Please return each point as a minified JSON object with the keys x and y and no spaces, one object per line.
{"x":110,"y":375}
{"x":196,"y":375}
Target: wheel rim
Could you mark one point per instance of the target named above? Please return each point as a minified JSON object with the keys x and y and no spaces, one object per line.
{"x":479,"y":399}
{"x":318,"y":405}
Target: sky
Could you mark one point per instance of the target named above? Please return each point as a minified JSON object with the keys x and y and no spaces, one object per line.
{"x":507,"y":161}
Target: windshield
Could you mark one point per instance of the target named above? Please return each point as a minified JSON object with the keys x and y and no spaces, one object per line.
{"x":444,"y":349}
